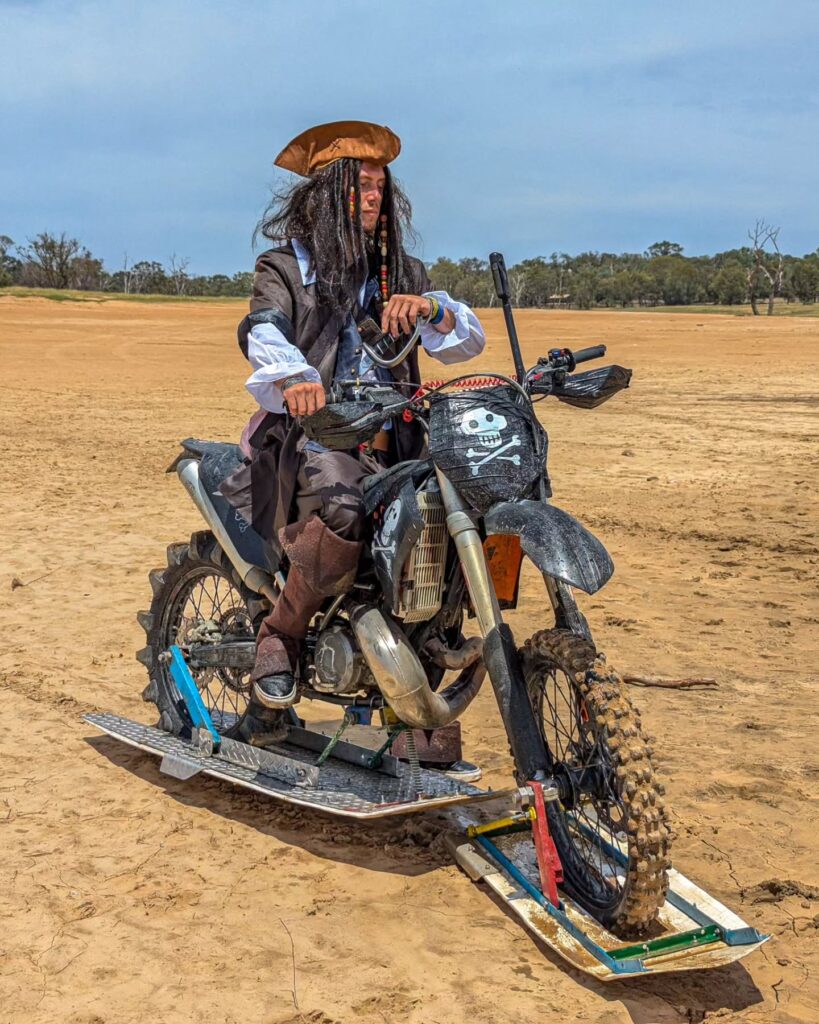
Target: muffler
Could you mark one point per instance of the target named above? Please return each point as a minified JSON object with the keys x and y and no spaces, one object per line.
{"x":401,"y":678}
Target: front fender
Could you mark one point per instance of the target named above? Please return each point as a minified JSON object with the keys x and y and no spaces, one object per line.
{"x":555,"y":541}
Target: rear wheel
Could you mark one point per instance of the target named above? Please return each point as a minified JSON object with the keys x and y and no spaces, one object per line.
{"x":198,"y":599}
{"x":610,"y":826}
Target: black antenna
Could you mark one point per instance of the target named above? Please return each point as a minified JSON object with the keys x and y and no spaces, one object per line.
{"x":496,"y":262}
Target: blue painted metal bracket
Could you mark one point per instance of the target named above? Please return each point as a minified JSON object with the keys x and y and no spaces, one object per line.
{"x":633,"y":966}
{"x":186,"y":684}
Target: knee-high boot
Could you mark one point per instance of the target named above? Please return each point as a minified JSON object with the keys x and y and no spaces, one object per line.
{"x":321,"y":564}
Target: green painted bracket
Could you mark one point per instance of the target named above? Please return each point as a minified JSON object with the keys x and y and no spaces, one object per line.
{"x":668,"y":944}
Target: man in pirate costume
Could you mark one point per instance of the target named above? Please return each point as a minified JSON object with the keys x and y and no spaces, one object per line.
{"x":339,"y":258}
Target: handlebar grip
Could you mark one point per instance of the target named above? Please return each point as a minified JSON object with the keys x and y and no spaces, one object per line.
{"x":585,"y":354}
{"x":498,"y":265}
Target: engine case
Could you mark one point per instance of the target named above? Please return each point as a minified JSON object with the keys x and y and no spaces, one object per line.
{"x":340,"y":665}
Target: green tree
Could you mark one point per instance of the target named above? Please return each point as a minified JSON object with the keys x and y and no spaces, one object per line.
{"x":729,"y":286}
{"x":149,"y":277}
{"x":49,"y":259}
{"x":802,"y":279}
{"x":585,"y":287}
{"x":9,"y":264}
{"x":444,"y":274}
{"x":664,"y":249}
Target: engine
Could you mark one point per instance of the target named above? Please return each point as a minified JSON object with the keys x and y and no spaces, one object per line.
{"x":340,"y":665}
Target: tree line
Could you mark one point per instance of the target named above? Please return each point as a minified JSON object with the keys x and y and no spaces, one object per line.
{"x":757,"y":272}
{"x":57,"y":261}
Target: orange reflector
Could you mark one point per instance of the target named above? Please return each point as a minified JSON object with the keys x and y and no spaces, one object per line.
{"x":503,"y":557}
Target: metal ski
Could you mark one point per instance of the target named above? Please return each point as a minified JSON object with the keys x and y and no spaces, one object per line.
{"x":344,"y":787}
{"x":697,"y":931}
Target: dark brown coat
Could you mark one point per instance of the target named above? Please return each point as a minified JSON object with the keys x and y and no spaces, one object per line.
{"x":264,"y":489}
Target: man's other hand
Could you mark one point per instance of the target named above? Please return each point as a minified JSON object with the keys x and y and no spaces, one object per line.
{"x":303,"y":397}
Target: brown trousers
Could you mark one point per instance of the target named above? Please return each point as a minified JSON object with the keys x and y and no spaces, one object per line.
{"x":329,"y":485}
{"x":322,"y":545}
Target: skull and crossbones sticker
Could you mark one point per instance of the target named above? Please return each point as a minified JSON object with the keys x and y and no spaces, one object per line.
{"x":385,"y":539}
{"x":484,"y":427}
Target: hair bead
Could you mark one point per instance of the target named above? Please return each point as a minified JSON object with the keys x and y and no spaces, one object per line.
{"x":385,"y":289}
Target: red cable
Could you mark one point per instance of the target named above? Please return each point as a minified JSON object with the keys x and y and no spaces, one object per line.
{"x":470,"y":384}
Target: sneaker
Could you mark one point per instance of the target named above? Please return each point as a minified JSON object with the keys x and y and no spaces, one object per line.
{"x":276,"y":691}
{"x":460,"y":771}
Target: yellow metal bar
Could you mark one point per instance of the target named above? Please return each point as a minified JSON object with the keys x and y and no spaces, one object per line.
{"x":493,"y":826}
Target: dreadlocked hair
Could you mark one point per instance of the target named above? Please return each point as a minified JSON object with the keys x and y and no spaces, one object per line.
{"x":316,"y":213}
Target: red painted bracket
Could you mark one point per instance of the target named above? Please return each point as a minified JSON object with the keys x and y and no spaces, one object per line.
{"x":548,"y":861}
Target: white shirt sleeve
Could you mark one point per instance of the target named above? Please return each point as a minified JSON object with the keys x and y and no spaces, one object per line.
{"x":464,"y":341}
{"x":273,"y":358}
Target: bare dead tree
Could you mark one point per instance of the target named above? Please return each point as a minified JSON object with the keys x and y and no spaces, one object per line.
{"x":127,"y":274}
{"x":771,"y":266}
{"x":179,"y":273}
{"x":517,"y":281}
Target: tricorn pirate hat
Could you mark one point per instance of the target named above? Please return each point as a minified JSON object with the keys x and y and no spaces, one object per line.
{"x":317,"y":147}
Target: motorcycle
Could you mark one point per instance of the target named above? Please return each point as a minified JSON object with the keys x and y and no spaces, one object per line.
{"x":450,"y":531}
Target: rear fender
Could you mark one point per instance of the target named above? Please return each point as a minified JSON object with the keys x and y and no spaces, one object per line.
{"x":555,"y":541}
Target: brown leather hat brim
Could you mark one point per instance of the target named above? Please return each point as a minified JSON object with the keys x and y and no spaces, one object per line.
{"x":320,"y":146}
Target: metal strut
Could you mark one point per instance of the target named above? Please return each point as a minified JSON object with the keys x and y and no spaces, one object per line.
{"x":548,"y":859}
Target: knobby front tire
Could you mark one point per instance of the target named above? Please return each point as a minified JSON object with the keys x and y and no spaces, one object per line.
{"x":611,"y":834}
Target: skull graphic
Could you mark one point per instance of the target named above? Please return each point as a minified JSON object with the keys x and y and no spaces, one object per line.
{"x":384,"y":539}
{"x":483,"y":427}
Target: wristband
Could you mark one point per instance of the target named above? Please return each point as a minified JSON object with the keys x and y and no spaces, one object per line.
{"x":437,"y":312}
{"x":296,"y":378}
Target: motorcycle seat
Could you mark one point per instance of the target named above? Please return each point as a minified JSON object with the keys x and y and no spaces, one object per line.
{"x":194,"y":446}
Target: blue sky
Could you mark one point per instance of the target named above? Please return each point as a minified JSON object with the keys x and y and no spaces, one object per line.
{"x":528,"y":126}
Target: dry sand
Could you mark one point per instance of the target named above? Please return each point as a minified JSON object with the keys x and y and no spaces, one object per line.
{"x":128,"y":897}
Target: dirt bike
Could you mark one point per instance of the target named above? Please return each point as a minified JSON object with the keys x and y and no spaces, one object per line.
{"x":449,"y":534}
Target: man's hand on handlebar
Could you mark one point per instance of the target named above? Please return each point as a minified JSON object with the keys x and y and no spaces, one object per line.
{"x":303,"y":397}
{"x":402,"y":311}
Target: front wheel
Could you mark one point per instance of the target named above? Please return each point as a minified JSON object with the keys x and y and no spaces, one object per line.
{"x":610,"y":825}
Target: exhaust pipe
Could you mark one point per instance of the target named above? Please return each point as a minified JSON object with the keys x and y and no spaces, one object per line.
{"x":401,"y":678}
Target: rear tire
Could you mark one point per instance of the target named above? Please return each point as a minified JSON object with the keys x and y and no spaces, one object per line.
{"x":592,"y":729}
{"x":198,"y":590}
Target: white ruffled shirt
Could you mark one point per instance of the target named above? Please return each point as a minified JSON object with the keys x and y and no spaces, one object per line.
{"x":273,"y":357}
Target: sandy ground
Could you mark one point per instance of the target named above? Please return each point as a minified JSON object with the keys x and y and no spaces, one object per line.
{"x":128,"y":897}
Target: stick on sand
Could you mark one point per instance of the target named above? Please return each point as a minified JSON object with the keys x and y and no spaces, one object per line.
{"x":670,"y":684}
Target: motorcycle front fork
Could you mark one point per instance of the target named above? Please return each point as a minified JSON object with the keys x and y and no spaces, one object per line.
{"x":567,"y":614}
{"x":532,"y":758}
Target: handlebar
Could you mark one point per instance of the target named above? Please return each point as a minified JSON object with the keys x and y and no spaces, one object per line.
{"x":585,"y":354}
{"x":554,"y":368}
{"x":498,"y":265}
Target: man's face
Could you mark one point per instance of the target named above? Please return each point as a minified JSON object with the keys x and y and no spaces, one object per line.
{"x":371,"y":182}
